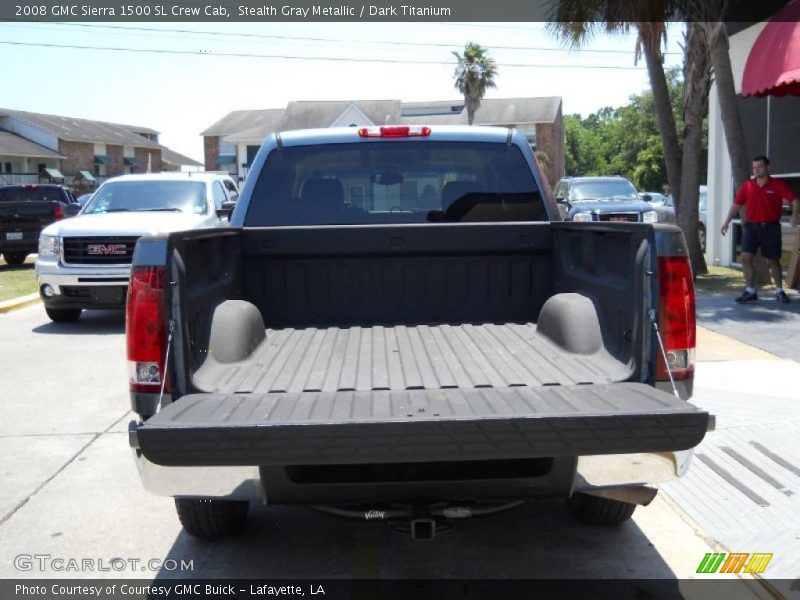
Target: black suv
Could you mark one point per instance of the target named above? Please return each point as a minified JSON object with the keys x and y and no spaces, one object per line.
{"x":601,"y":199}
{"x":27,"y":209}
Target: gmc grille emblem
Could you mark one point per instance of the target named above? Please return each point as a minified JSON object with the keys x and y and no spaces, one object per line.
{"x":106,"y":249}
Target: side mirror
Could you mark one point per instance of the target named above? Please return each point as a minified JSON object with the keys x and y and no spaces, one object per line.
{"x":647,"y":197}
{"x":225,"y":211}
{"x":72,"y":209}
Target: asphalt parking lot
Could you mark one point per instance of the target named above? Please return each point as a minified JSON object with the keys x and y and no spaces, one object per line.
{"x":71,"y":491}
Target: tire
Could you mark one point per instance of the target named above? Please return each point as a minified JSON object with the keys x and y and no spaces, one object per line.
{"x":599,"y":511}
{"x":701,"y":237}
{"x":63,"y":315}
{"x":15,"y":258}
{"x":206,"y":518}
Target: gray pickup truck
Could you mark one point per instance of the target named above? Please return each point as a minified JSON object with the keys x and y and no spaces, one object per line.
{"x":398,"y":327}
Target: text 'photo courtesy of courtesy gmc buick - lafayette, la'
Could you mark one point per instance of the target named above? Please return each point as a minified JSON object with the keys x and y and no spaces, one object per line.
{"x":85,"y":262}
{"x":398,"y":326}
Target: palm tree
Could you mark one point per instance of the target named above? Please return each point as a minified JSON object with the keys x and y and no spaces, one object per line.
{"x":696,"y":84}
{"x":712,"y":23}
{"x":575,"y":21}
{"x":474,"y":74}
{"x":650,"y":36}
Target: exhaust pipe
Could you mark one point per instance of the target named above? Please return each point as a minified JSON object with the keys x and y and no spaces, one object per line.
{"x":423,"y":529}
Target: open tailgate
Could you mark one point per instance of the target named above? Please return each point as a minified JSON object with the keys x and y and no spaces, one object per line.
{"x":418,"y":425}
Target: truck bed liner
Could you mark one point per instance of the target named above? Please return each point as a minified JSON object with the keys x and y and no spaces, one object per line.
{"x":406,"y":358}
{"x":414,"y":425}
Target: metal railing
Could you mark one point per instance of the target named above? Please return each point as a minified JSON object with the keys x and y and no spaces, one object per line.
{"x":27,"y":178}
{"x":18,"y":178}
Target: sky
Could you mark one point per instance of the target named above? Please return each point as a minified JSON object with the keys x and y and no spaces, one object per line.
{"x":179,"y":78}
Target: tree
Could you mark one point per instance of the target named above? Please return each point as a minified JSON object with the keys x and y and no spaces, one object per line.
{"x":625,"y":140}
{"x":584,"y":152}
{"x":697,"y":82}
{"x":719,"y":48}
{"x":474,"y":74}
{"x":577,"y":20}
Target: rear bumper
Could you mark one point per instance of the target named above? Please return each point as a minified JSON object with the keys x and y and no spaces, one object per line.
{"x":624,"y":434}
{"x":251,"y":483}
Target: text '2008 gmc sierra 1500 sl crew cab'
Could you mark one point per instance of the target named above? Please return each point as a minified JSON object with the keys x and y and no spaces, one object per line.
{"x":397,"y":327}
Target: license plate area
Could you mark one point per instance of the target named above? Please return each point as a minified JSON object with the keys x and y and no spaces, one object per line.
{"x":107,"y":295}
{"x":14,"y":235}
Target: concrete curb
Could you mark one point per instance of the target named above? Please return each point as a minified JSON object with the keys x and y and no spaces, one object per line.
{"x":22,"y":301}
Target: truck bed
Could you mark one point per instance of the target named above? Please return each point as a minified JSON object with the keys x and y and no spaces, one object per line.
{"x":377,"y":358}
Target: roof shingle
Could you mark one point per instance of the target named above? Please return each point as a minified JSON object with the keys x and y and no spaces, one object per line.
{"x":84,"y":130}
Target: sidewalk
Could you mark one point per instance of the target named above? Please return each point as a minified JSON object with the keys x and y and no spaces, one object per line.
{"x":765,"y":324}
{"x":743,"y":487}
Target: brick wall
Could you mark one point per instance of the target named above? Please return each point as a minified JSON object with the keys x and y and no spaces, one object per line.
{"x":141,"y":157}
{"x":79,"y":157}
{"x":211,"y":152}
{"x":550,"y":139}
{"x":116,"y":166}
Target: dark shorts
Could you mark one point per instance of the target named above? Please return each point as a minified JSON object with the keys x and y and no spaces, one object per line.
{"x":766,"y":236}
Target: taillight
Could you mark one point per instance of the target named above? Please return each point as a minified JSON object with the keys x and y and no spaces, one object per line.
{"x":395,"y":131}
{"x":58,"y":212}
{"x":676,"y":317}
{"x":146,"y":329}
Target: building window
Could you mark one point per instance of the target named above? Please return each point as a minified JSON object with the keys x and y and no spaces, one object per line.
{"x":8,"y":167}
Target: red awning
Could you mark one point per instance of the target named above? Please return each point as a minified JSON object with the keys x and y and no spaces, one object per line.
{"x":773,"y":67}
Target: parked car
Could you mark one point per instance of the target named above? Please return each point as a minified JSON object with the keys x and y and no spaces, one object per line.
{"x":614,"y":198}
{"x":84,"y":262}
{"x":83,"y":199}
{"x":666,"y":214}
{"x":380,"y":350}
{"x":27,"y":209}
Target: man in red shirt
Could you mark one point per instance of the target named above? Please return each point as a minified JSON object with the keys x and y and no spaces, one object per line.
{"x":763,"y":199}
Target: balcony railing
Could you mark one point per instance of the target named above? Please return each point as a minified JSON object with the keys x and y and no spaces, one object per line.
{"x":26,"y":178}
{"x":18,"y":178}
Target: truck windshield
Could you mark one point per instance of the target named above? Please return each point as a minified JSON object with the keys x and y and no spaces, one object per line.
{"x":603,"y":190}
{"x":395,"y":182}
{"x":30,"y":194}
{"x":132,"y":196}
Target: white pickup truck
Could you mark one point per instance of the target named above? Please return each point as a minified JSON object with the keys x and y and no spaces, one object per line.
{"x":85,"y":262}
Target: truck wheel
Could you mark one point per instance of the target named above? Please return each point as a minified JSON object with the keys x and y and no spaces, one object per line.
{"x":206,"y":518}
{"x":599,"y":511}
{"x":15,"y":258}
{"x":63,"y":315}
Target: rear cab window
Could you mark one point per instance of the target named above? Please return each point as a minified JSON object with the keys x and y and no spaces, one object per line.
{"x":395,"y":182}
{"x":32,"y":194}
